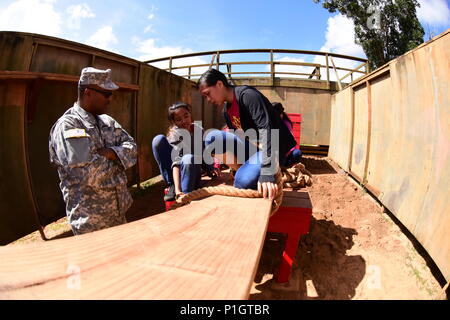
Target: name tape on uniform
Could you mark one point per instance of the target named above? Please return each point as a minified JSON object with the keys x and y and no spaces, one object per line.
{"x":75,"y":133}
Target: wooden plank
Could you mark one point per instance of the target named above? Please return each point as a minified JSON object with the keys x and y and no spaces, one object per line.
{"x":74,"y":46}
{"x":16,"y":50}
{"x":369,"y":130}
{"x":360,"y":131}
{"x":18,"y":212}
{"x":383,"y":116}
{"x":207,"y":250}
{"x":22,"y":75}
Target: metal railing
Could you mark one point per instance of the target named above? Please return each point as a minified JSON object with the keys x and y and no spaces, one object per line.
{"x":192,"y":65}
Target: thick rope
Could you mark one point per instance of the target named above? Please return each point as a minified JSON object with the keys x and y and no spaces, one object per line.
{"x":231,"y":192}
{"x":296,"y":177}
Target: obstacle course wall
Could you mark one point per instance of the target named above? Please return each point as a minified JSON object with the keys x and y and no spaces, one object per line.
{"x":391,"y":131}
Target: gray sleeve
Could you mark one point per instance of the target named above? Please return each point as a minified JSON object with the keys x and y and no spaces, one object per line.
{"x":126,"y":148}
{"x":69,"y":144}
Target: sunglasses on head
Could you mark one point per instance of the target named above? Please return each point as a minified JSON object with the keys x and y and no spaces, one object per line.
{"x":106,"y":94}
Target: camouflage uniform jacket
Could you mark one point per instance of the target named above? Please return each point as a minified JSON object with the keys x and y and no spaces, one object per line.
{"x":94,"y":188}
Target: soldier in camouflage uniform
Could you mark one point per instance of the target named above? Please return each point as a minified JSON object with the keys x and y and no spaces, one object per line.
{"x":91,"y":152}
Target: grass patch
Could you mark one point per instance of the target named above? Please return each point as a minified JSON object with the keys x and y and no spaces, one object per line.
{"x":386,"y":218}
{"x":32,"y":237}
{"x":145,"y":187}
{"x":416,"y":272}
{"x":51,"y":230}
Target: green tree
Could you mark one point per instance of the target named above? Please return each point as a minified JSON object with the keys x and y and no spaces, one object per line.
{"x":384,"y":28}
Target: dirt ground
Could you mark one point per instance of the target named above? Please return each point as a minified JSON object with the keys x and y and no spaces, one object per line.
{"x":354,"y":250}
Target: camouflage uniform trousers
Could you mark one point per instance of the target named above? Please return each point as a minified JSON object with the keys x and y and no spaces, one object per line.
{"x":91,"y":209}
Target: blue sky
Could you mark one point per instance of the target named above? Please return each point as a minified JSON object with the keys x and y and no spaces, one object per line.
{"x":150,"y":29}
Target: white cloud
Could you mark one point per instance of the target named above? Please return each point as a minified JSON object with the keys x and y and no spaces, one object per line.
{"x":151,"y":16}
{"x":434,"y":12}
{"x":340,"y":39}
{"x":291,"y":68}
{"x":36,"y":16}
{"x":104,"y":38}
{"x":148,"y":28}
{"x":76,"y":13}
{"x":148,"y":50}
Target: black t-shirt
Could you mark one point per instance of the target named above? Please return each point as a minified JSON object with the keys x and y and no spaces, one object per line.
{"x":256,"y":112}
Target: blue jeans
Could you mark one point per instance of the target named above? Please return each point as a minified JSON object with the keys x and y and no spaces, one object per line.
{"x":247,"y":175}
{"x":191,"y":173}
{"x":293,"y":158}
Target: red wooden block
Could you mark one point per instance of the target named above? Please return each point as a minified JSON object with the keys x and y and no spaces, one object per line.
{"x":296,"y":119}
{"x":293,"y":217}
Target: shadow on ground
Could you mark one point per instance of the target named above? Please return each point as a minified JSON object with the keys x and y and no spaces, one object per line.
{"x":321,"y":263}
{"x":317,"y":165}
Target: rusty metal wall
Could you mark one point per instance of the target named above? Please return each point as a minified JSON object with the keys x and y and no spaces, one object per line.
{"x":398,"y":120}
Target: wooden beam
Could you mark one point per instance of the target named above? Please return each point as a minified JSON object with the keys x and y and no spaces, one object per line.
{"x":337,"y":76}
{"x":25,"y":75}
{"x":369,"y":129}
{"x":209,"y":249}
{"x":352,"y":128}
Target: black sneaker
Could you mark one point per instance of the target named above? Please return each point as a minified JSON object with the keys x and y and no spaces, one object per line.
{"x":170,"y":196}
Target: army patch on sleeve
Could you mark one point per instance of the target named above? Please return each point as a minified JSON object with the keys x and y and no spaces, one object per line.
{"x":75,"y":133}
